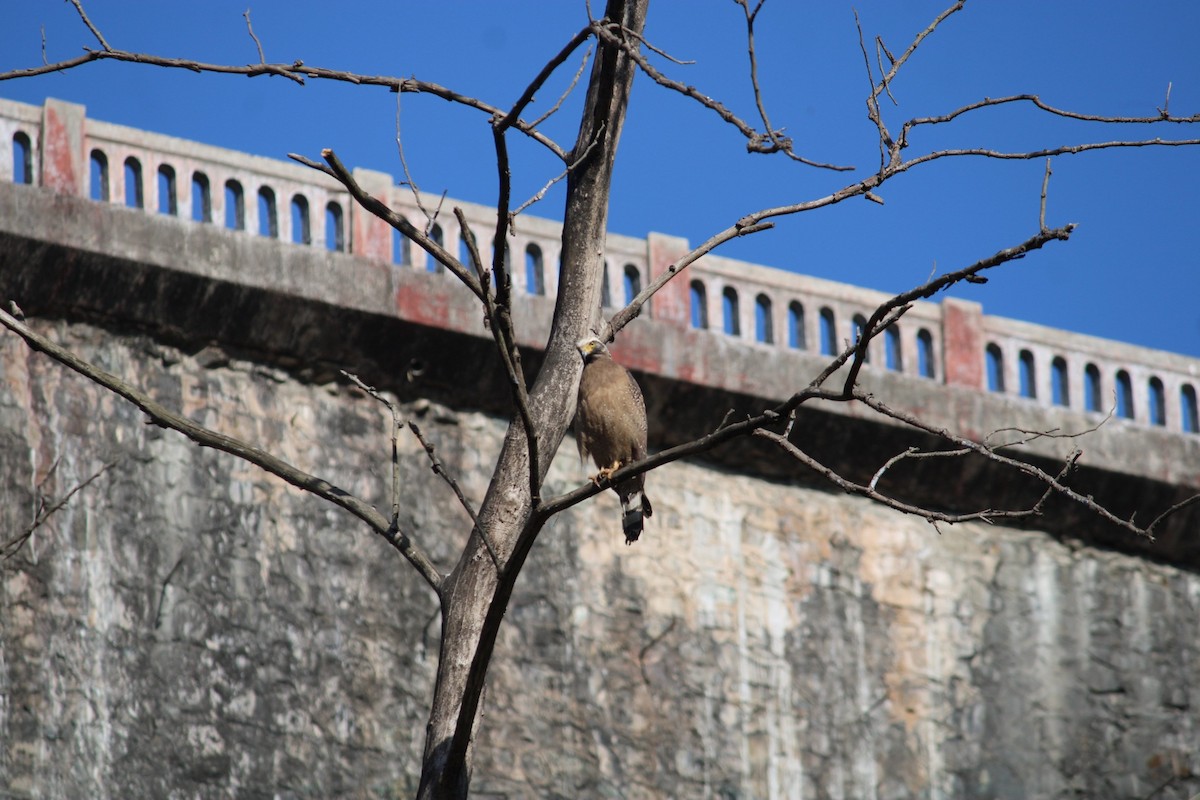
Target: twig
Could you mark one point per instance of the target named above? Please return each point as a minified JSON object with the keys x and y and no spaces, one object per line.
{"x":509,"y":353}
{"x":500,"y":324}
{"x":889,"y":148}
{"x":566,"y":93}
{"x":743,"y":227}
{"x":873,"y":113}
{"x":14,"y":545}
{"x":1054,"y":433}
{"x":431,"y":219}
{"x":1050,"y":151}
{"x":403,"y":163}
{"x":880,"y":49}
{"x":542,"y":192}
{"x":1172,"y":510}
{"x":911,"y":452}
{"x":336,"y":169}
{"x":657,"y":50}
{"x":1037,"y":102}
{"x":543,"y":75}
{"x":370,"y":390}
{"x":756,"y":142}
{"x":408,"y":178}
{"x":1021,"y":466}
{"x":262,"y":59}
{"x":296,"y":71}
{"x":784,"y":144}
{"x":868,"y":491}
{"x":897,"y":63}
{"x":481,"y":270}
{"x":95,"y":31}
{"x":879,"y":319}
{"x":1042,"y":206}
{"x":439,"y":469}
{"x":508,"y":339}
{"x":206,"y":437}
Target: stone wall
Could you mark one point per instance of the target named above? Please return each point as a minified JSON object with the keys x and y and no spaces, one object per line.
{"x":187,"y":626}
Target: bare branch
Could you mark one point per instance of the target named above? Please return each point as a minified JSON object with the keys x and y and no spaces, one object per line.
{"x":1036,"y":101}
{"x":566,"y":92}
{"x":46,"y":510}
{"x":296,"y":71}
{"x":743,"y":227}
{"x":439,"y":469}
{"x":373,"y":392}
{"x":879,"y":319}
{"x":481,"y":270}
{"x":757,"y":221}
{"x":871,"y":493}
{"x":897,"y":63}
{"x":873,"y":114}
{"x":1028,"y":436}
{"x":205,"y":437}
{"x":542,"y":192}
{"x":889,"y":149}
{"x":1050,"y":151}
{"x":784,"y":144}
{"x":408,"y":178}
{"x":95,"y":31}
{"x":1042,"y":205}
{"x":756,"y":142}
{"x":554,"y":63}
{"x":1169,"y":512}
{"x":336,"y":169}
{"x":504,"y":306}
{"x":657,"y":50}
{"x":262,"y":59}
{"x":1035,"y":472}
{"x":880,"y":50}
{"x":500,"y":324}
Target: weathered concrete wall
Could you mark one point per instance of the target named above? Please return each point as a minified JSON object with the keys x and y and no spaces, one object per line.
{"x":190,"y":627}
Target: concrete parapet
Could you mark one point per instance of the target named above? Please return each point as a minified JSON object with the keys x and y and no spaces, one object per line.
{"x":753,"y":307}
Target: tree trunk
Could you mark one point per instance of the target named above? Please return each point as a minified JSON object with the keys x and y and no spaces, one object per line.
{"x":475,"y":594}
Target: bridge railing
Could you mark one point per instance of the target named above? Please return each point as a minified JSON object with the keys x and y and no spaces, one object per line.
{"x":952,"y":342}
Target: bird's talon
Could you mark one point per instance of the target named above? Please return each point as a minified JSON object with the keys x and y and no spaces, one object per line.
{"x":604,"y":474}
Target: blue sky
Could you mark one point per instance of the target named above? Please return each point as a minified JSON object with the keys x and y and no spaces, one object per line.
{"x":1130,"y":272}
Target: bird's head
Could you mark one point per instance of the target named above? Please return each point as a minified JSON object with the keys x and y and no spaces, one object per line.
{"x":591,"y":348}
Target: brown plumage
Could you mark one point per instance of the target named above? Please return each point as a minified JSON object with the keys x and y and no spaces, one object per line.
{"x":610,"y":424}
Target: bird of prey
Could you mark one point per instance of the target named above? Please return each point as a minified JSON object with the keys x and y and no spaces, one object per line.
{"x":610,"y":424}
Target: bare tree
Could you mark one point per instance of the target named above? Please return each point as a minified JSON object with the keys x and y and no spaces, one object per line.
{"x":474,"y":593}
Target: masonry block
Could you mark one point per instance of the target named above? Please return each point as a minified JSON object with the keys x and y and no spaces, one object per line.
{"x":63,"y":159}
{"x":962,"y":334}
{"x":669,"y":304}
{"x":370,"y":236}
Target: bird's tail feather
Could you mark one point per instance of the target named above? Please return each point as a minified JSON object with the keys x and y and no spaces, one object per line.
{"x":634,"y":508}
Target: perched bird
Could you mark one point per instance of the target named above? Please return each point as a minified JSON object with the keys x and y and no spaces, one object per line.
{"x":610,"y":424}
